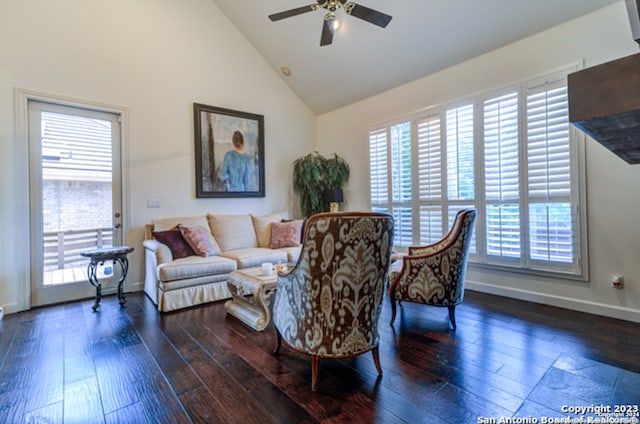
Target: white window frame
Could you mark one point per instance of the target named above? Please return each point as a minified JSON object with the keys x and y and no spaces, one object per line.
{"x":578,"y":269}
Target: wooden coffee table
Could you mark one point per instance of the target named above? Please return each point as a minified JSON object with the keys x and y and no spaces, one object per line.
{"x":250,"y":281}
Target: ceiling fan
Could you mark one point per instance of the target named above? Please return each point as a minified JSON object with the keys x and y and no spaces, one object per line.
{"x":329,"y":25}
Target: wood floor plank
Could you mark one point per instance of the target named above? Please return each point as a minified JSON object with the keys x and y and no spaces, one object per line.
{"x":7,"y":333}
{"x":131,"y":414}
{"x":17,"y":368}
{"x":82,"y":402}
{"x":179,"y":374}
{"x":160,"y":403}
{"x":46,"y":385}
{"x":105,"y":330}
{"x":12,"y":405}
{"x":203,"y":407}
{"x":50,"y":414}
{"x":114,"y":382}
{"x":78,"y":359}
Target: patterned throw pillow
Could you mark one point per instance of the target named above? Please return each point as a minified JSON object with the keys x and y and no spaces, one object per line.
{"x":285,"y":234}
{"x":262,"y":226}
{"x":200,"y":240}
{"x":174,"y":240}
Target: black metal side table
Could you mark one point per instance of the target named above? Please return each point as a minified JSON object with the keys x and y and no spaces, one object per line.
{"x":117,"y":254}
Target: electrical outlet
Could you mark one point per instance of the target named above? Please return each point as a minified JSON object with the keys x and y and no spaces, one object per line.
{"x":617,"y":281}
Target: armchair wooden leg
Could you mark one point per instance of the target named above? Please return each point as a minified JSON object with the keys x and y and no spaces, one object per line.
{"x":452,"y":316}
{"x":393,"y":309}
{"x":376,"y":359}
{"x":315,"y":367}
{"x":278,"y":342}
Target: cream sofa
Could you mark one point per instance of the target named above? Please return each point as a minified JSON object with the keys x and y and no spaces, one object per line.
{"x":243,"y":240}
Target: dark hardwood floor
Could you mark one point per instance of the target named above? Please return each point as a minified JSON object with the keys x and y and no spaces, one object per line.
{"x":508,"y":358}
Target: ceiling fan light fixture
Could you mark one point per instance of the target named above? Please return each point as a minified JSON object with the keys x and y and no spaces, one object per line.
{"x":333,"y":21}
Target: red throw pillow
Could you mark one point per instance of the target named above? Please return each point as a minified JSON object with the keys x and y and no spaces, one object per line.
{"x":174,"y":240}
{"x":285,"y":234}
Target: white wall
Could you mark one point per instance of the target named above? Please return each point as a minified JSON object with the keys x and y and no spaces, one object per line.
{"x":613,"y":196}
{"x":154,"y":58}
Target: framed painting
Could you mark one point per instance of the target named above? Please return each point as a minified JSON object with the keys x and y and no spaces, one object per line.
{"x":229,"y":152}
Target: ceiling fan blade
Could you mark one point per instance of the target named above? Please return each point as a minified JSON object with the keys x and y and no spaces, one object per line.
{"x":292,"y":12}
{"x":327,"y":33}
{"x":370,"y":15}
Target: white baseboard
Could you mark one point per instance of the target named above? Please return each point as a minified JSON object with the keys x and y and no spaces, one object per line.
{"x":618,"y":312}
{"x":10,"y":308}
{"x":137,"y":286}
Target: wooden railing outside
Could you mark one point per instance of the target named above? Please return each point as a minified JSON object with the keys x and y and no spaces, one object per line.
{"x":62,"y":248}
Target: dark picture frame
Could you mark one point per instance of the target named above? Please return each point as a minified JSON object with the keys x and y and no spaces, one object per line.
{"x":226,"y":167}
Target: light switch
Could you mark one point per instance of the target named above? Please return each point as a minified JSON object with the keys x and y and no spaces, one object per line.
{"x":153,"y":203}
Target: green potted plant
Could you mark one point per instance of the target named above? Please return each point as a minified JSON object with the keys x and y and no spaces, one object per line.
{"x":314,"y":176}
{"x":336,"y":175}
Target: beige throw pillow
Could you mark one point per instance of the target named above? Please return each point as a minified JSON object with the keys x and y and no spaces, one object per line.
{"x":233,"y":231}
{"x":167,"y":224}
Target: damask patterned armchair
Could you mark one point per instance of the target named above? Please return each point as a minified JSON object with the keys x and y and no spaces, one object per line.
{"x":434,"y":274}
{"x":329,"y":304}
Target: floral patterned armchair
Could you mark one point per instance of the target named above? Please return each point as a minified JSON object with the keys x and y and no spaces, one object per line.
{"x":329,"y":304}
{"x":434,"y":274}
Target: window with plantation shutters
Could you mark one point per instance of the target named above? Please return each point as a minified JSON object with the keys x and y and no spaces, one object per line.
{"x":502,"y":176}
{"x":401,"y":162}
{"x":403,"y":226}
{"x":459,"y":153}
{"x":401,"y":185}
{"x":429,"y":163}
{"x":390,"y":177}
{"x":509,"y":153}
{"x":429,"y":159}
{"x":378,"y":168}
{"x":552,"y":233}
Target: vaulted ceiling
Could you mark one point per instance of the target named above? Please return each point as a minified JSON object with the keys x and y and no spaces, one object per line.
{"x":423,"y":37}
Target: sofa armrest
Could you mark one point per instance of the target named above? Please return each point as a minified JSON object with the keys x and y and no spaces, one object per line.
{"x":161,"y":252}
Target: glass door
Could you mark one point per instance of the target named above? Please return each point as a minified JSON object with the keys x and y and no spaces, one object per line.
{"x":75,"y":197}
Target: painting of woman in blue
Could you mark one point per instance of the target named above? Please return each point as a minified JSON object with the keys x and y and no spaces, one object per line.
{"x":236,"y":165}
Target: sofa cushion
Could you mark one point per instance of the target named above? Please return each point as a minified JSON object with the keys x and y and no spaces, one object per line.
{"x":285,"y":234}
{"x":174,"y":240}
{"x":188,"y":221}
{"x":293,"y":253}
{"x":262,"y":226}
{"x":200,"y":240}
{"x":251,"y":257}
{"x":195,"y":266}
{"x":233,"y":231}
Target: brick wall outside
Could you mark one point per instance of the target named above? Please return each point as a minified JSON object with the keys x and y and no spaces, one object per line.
{"x":76,"y":205}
